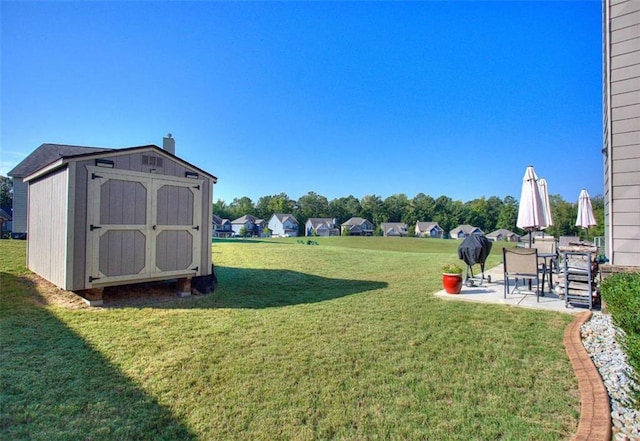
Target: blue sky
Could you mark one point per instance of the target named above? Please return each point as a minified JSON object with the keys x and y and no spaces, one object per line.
{"x":339,"y":98}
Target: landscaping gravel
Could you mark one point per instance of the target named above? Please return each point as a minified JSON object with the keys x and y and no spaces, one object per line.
{"x":600,"y":338}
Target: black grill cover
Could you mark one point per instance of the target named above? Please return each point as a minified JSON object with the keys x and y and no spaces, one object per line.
{"x":474,"y":249}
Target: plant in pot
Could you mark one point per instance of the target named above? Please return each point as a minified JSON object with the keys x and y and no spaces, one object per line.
{"x":452,"y":278}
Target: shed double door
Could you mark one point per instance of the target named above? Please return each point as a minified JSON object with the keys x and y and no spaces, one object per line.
{"x":141,"y":226}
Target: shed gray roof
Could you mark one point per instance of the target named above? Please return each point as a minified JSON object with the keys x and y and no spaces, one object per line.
{"x":48,"y":153}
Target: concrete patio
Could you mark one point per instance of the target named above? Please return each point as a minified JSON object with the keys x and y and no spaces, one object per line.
{"x":494,"y":293}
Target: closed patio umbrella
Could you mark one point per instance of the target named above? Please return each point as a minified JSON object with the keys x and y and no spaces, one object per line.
{"x":546,"y":206}
{"x":585,"y":218}
{"x":530,"y":211}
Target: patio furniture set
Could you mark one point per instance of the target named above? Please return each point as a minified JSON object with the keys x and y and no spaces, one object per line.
{"x":573,"y":263}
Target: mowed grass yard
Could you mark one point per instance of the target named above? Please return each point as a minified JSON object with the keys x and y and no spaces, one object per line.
{"x":343,"y":340}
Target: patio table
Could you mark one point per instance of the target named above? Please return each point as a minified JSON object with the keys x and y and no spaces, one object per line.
{"x":547,"y":258}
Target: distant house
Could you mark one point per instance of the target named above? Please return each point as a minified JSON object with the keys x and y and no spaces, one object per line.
{"x":252,"y":224}
{"x":321,"y":226}
{"x":221,"y":227}
{"x":429,"y":229}
{"x":503,"y":234}
{"x":535,"y":235}
{"x":5,"y":222}
{"x":283,"y":225}
{"x":43,"y":155}
{"x":462,"y":231}
{"x":394,"y":229}
{"x":357,"y":226}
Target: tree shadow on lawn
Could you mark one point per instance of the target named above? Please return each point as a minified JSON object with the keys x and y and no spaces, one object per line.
{"x":248,"y":288}
{"x":56,"y":386}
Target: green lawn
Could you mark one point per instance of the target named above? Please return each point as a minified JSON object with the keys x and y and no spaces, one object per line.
{"x":343,"y":340}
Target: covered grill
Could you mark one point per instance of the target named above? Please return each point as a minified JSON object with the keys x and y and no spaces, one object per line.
{"x":474,"y":250}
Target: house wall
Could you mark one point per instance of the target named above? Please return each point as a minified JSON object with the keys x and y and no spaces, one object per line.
{"x":621,"y":116}
{"x":308,"y":228}
{"x":290,"y":228}
{"x":222,"y":230}
{"x":47,"y":250}
{"x":275,"y":226}
{"x":248,"y":225}
{"x":20,"y":191}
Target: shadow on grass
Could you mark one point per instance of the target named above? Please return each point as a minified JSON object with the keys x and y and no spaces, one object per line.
{"x":265,"y":288}
{"x":240,"y":288}
{"x":55,"y":386}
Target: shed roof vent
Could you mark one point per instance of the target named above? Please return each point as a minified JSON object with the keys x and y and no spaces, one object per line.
{"x":153,"y":161}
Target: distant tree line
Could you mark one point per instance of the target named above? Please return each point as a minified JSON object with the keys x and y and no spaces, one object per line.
{"x":488,"y":214}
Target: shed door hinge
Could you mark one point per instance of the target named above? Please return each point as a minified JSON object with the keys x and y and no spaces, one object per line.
{"x":197,"y":227}
{"x":94,"y":176}
{"x":195,"y":269}
{"x":91,"y":278}
{"x":197,"y":187}
{"x":94,"y":227}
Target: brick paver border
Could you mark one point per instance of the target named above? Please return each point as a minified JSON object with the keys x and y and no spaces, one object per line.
{"x":595,"y":413}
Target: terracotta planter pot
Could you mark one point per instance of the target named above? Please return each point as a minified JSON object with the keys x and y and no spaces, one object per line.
{"x":452,"y":283}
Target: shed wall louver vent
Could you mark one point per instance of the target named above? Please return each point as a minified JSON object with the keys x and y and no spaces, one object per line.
{"x":152,"y":160}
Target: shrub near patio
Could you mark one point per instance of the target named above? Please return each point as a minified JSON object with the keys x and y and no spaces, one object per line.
{"x":621,"y":292}
{"x":298,"y":342}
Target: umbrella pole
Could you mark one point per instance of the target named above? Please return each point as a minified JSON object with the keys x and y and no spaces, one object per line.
{"x":530,"y":245}
{"x":530,"y":237}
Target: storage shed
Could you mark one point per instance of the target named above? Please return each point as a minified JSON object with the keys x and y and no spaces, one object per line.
{"x":114,"y":217}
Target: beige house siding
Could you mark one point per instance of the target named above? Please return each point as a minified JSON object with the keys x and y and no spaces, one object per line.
{"x":621,"y":117}
{"x":47,"y":224}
